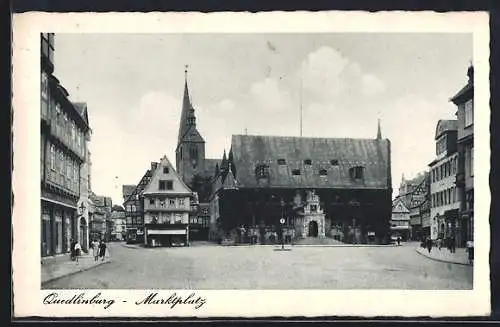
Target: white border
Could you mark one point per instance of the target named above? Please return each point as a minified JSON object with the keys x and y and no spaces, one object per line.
{"x":26,"y":211}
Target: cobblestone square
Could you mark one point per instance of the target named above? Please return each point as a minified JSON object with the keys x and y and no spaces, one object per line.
{"x":262,"y":267}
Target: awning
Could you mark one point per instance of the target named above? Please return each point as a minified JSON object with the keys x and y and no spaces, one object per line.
{"x":166,"y":232}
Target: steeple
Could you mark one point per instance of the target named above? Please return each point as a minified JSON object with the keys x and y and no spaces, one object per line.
{"x":223,"y":164}
{"x":379,"y":131}
{"x":229,"y":181}
{"x":230,"y":160}
{"x":188,"y":118}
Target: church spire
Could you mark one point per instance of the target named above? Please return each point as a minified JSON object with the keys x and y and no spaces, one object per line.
{"x":188,"y":118}
{"x":379,"y":131}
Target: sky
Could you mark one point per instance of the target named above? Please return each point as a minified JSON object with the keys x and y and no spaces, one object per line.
{"x":255,"y":83}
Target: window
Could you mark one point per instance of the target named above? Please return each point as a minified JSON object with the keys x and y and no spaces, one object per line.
{"x":129,"y":208}
{"x":152,"y":202}
{"x":262,"y":171}
{"x":162,"y":185}
{"x":356,"y":172}
{"x":471,"y":165}
{"x":323,"y":172}
{"x":296,"y":172}
{"x":171,"y":202}
{"x":469,"y":113}
{"x":281,"y":162}
{"x":334,"y":162}
{"x":193,"y":153}
{"x":165,"y":170}
{"x":441,"y":145}
{"x":170,"y":185}
{"x":307,"y":162}
{"x":181,"y":202}
{"x":52,"y":157}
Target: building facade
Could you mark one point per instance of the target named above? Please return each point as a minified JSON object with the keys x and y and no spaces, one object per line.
{"x":167,"y":207}
{"x":134,"y":216}
{"x":464,"y":100}
{"x":267,"y":178}
{"x":443,"y":194}
{"x":63,"y":152}
{"x":400,"y":220}
{"x":101,"y":224}
{"x":119,"y":226}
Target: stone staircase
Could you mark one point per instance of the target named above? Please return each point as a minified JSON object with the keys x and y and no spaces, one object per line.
{"x":317,"y":241}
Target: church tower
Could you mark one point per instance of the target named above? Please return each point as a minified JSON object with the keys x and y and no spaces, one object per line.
{"x":190,"y":151}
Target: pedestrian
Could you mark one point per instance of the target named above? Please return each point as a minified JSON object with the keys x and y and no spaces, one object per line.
{"x":95,"y":250}
{"x":470,"y":250}
{"x":102,"y":250}
{"x":453,"y":246}
{"x":78,"y":249}
{"x":429,"y":245}
{"x":72,"y":250}
{"x":399,"y":240}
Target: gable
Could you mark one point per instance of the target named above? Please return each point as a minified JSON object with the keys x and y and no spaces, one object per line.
{"x":400,"y":207}
{"x":165,"y":177}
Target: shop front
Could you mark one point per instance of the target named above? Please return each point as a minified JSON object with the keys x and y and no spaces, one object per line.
{"x":58,"y":227}
{"x":166,"y":235}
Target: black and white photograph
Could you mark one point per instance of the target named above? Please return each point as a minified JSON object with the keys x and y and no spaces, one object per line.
{"x":255,"y":161}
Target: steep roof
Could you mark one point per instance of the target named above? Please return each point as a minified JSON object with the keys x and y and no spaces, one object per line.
{"x":398,"y":206}
{"x":140,"y":187}
{"x":127,"y":190}
{"x":445,"y":125}
{"x":81,"y":108}
{"x":333,"y":155}
{"x":179,"y":187}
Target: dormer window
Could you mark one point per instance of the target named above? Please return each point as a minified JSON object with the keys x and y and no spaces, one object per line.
{"x":308,"y":162}
{"x":323,"y":172}
{"x":356,"y":173}
{"x":281,"y":162}
{"x":334,"y":162}
{"x":165,"y":170}
{"x":262,"y":171}
{"x":296,"y":172}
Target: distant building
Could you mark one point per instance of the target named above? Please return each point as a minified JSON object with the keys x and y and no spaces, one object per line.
{"x":167,"y":207}
{"x":400,"y":220}
{"x":119,"y":226}
{"x":63,"y":148}
{"x":418,"y":205}
{"x":101,"y":225}
{"x":464,"y":100}
{"x":134,"y":215}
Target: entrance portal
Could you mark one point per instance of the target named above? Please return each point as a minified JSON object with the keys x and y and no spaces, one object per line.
{"x":313,"y":229}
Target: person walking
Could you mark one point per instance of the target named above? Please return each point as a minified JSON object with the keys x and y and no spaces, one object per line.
{"x":102,"y":250}
{"x":95,"y":250}
{"x":72,"y":250}
{"x":429,"y":245}
{"x":399,"y":240}
{"x":78,"y":249}
{"x":452,"y":245}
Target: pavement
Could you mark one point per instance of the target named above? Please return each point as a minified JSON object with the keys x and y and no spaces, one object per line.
{"x":261,"y":267}
{"x":460,"y":256}
{"x":60,"y":266}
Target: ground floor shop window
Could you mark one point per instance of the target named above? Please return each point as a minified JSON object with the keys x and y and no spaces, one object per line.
{"x":46,"y":239}
{"x":58,"y":231}
{"x":67,"y":231}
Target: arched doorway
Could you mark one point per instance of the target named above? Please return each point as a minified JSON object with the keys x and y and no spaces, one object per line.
{"x":83,"y":234}
{"x":313,"y":229}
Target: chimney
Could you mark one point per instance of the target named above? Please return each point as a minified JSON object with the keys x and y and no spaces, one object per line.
{"x":154,"y":165}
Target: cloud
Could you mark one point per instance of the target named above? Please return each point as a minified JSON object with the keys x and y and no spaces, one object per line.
{"x":330,"y":76}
